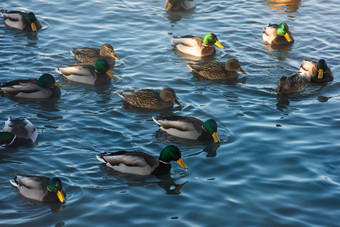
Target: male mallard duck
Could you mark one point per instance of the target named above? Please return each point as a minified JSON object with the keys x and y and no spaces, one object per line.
{"x":217,"y":70}
{"x":150,"y":99}
{"x":18,"y":132}
{"x":39,"y":188}
{"x":97,"y":74}
{"x":188,"y":127}
{"x":316,"y":71}
{"x":21,"y":20}
{"x":140,"y":163}
{"x":197,"y":46}
{"x":292,"y":84}
{"x":179,"y":5}
{"x":277,"y":35}
{"x":92,"y":55}
{"x":43,"y":88}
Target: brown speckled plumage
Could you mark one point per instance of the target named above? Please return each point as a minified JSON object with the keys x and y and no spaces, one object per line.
{"x":292,"y":84}
{"x":150,"y":99}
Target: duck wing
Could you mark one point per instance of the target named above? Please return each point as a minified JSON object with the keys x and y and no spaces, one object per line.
{"x":32,"y":187}
{"x":144,"y":98}
{"x":86,"y":54}
{"x":134,"y":162}
{"x":82,"y":73}
{"x":25,"y":89}
{"x":209,"y":69}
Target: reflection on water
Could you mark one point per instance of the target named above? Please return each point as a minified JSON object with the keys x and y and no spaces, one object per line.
{"x":286,"y":6}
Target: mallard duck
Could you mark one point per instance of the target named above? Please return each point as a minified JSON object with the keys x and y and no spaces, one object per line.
{"x":188,"y":127}
{"x":92,"y":55}
{"x":217,"y":70}
{"x":316,"y":71}
{"x":39,"y":188}
{"x":18,"y":132}
{"x":179,"y":5}
{"x":97,"y":74}
{"x":292,"y":84}
{"x":197,"y":46}
{"x":150,"y":99}
{"x":140,"y":163}
{"x":43,"y":88}
{"x":277,"y":35}
{"x":21,"y":20}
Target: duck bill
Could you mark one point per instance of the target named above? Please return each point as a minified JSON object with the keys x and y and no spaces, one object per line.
{"x":320,"y":74}
{"x":215,"y":137}
{"x":34,"y":28}
{"x":109,"y":73}
{"x":60,"y":196}
{"x":57,"y":84}
{"x":288,"y":37}
{"x":219,"y":44}
{"x":181,"y":163}
{"x":168,"y":7}
{"x":114,"y":56}
{"x":241,"y":70}
{"x":176,"y":101}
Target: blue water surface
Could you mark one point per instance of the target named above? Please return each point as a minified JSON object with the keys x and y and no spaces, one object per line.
{"x":278,"y":160}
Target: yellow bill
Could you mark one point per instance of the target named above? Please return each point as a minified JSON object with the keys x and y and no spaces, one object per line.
{"x":219,"y":44}
{"x":57,"y":84}
{"x":215,"y":137}
{"x":320,"y":74}
{"x":109,"y":73}
{"x":114,"y":56}
{"x":34,"y":28}
{"x":181,"y":163}
{"x":168,"y":7}
{"x":60,"y":196}
{"x":287,"y":37}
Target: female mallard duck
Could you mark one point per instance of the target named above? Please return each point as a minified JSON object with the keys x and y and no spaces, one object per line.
{"x":18,"y":132}
{"x":277,"y":35}
{"x":43,"y":88}
{"x":97,"y":74}
{"x":21,"y":20}
{"x":140,"y":163}
{"x":292,"y":84}
{"x":217,"y":70}
{"x":316,"y":71}
{"x":197,"y":46}
{"x":39,"y":188}
{"x":150,"y":99}
{"x":179,"y":5}
{"x":188,"y":127}
{"x":92,"y":55}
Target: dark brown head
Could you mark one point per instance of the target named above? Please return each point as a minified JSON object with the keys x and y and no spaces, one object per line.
{"x":107,"y":50}
{"x":169,"y":95}
{"x":233,"y":65}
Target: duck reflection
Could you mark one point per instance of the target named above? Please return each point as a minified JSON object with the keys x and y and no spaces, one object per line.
{"x":286,"y":6}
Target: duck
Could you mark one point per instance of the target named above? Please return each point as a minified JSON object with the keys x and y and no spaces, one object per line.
{"x":179,"y":5}
{"x":18,"y":132}
{"x":294,"y":83}
{"x":197,"y":46}
{"x":215,"y":70}
{"x":43,"y":88}
{"x":316,"y":71}
{"x":277,"y":35}
{"x":92,"y":55}
{"x":188,"y":127}
{"x":40,"y":188}
{"x":22,"y":20}
{"x":141,"y":163}
{"x":150,"y":99}
{"x":97,"y":74}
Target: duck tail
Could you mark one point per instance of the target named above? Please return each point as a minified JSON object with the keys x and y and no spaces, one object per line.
{"x":14,"y":182}
{"x":155,"y":120}
{"x":100,"y":158}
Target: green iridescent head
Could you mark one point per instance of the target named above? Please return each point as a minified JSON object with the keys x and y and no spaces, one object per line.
{"x":211,"y":39}
{"x":31,"y":20}
{"x":6,"y":137}
{"x":321,"y":68}
{"x":283,"y":30}
{"x":55,"y":186}
{"x":210,"y":126}
{"x":47,"y":81}
{"x":172,"y":153}
{"x":103,"y":66}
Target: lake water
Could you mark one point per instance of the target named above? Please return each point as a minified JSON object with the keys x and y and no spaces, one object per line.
{"x":278,"y":160}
